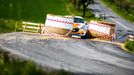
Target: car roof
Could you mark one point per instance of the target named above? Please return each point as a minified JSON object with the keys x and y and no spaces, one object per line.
{"x":78,"y":17}
{"x":74,"y":16}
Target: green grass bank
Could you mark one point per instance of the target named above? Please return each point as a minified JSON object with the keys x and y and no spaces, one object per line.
{"x":31,"y":10}
{"x":12,"y":66}
{"x":13,"y":12}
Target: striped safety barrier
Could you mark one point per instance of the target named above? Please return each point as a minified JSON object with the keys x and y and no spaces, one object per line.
{"x":47,"y":33}
{"x":106,"y":37}
{"x":99,"y":28}
{"x":59,"y":21}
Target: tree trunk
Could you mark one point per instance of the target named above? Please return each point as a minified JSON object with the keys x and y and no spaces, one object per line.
{"x":85,"y":3}
{"x":84,"y":11}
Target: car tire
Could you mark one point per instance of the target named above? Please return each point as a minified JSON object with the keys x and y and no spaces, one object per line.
{"x":85,"y":36}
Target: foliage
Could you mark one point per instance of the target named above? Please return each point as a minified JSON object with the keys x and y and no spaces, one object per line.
{"x":130,"y":45}
{"x":73,"y":10}
{"x":6,"y":26}
{"x":78,"y":3}
{"x":9,"y":25}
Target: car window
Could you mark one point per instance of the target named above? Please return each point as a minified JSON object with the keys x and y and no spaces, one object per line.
{"x":78,"y":20}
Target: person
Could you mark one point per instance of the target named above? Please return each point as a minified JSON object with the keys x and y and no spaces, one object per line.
{"x":85,"y":27}
{"x":75,"y":27}
{"x":113,"y":37}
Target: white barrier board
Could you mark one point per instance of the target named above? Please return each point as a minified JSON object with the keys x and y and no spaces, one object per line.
{"x":101,"y":28}
{"x":59,"y":21}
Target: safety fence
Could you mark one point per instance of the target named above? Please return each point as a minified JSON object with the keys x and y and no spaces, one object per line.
{"x":32,"y":27}
{"x":39,"y":28}
{"x":59,"y":21}
{"x":102,"y":30}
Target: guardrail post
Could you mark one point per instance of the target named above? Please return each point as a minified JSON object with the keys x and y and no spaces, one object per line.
{"x":16,"y":26}
{"x":25,"y":27}
{"x":40,"y":29}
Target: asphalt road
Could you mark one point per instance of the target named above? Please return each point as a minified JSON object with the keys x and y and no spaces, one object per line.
{"x":121,"y":24}
{"x":83,"y":57}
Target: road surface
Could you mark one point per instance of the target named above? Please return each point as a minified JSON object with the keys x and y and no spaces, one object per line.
{"x":121,"y":23}
{"x":83,"y":57}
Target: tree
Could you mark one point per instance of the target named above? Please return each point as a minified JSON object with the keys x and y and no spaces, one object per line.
{"x":85,"y":3}
{"x":78,"y":3}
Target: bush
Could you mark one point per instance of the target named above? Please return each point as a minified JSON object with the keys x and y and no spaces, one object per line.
{"x":130,"y":45}
{"x":9,"y":25}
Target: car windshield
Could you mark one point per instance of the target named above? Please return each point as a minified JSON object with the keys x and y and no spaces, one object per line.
{"x":78,"y":20}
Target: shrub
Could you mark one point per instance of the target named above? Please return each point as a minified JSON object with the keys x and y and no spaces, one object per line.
{"x":9,"y":25}
{"x":130,"y":45}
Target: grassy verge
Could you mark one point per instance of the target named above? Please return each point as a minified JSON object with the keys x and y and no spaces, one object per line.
{"x":31,"y":10}
{"x":13,"y":11}
{"x":12,"y":66}
{"x":123,"y":13}
{"x":130,"y":45}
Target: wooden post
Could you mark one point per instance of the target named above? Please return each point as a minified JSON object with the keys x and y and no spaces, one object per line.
{"x":40,"y":28}
{"x":16,"y":26}
{"x":25,"y":27}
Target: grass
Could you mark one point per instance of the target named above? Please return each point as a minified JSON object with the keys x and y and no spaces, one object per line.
{"x":121,"y":12}
{"x":31,"y":10}
{"x":12,"y":12}
{"x":130,"y":45}
{"x":13,"y":66}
